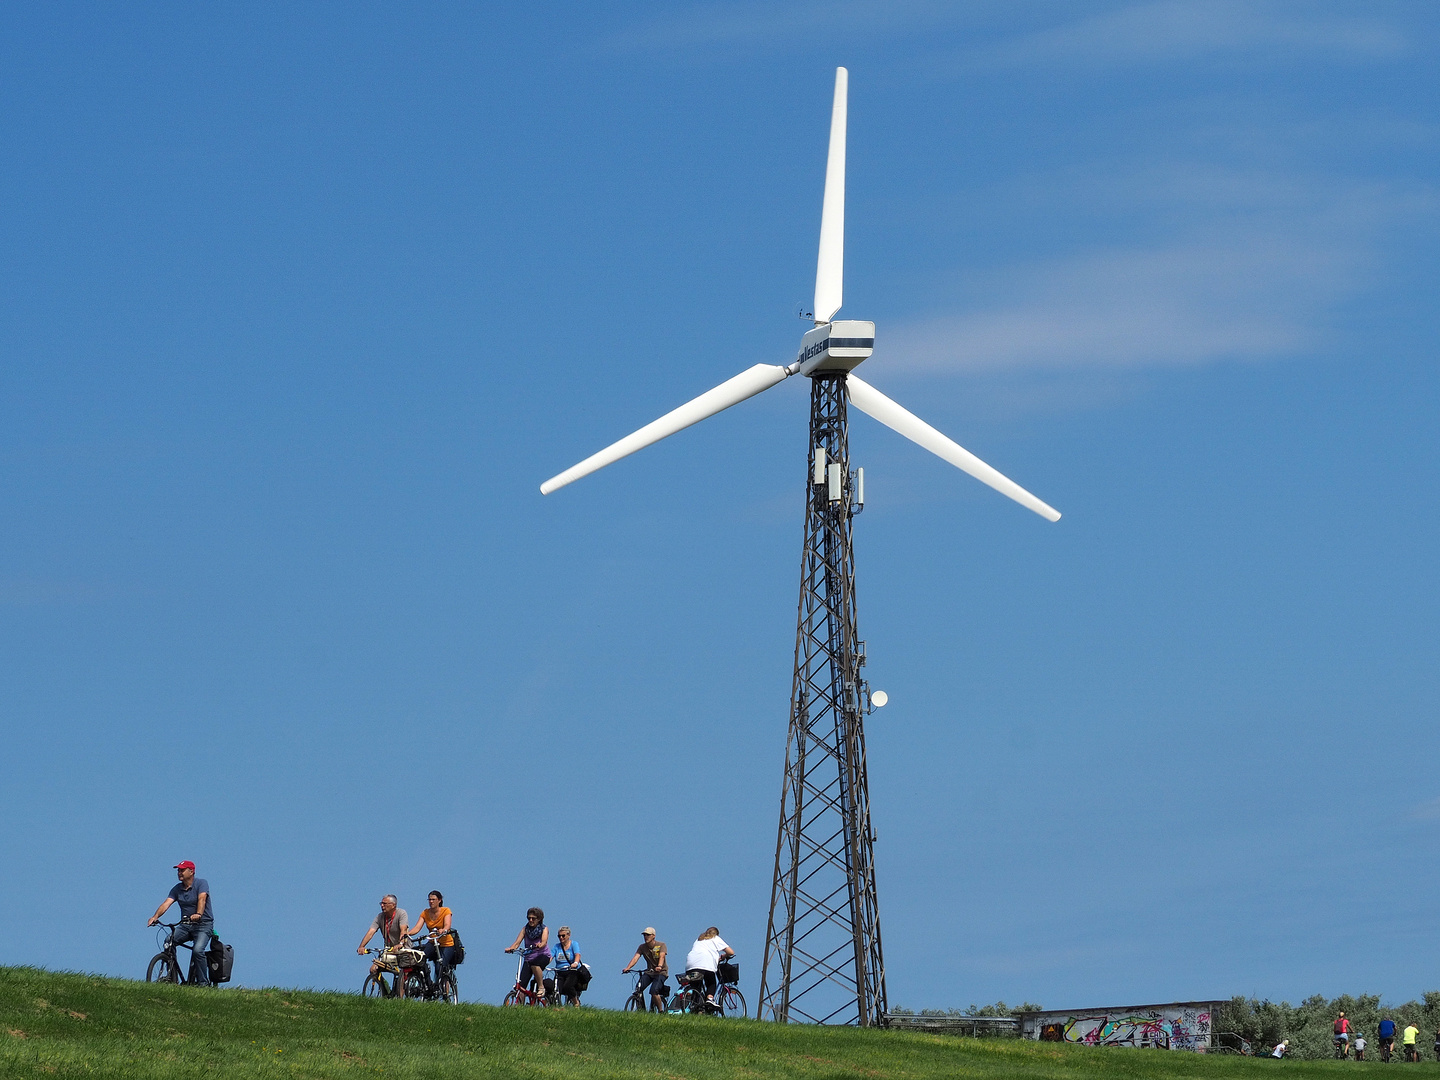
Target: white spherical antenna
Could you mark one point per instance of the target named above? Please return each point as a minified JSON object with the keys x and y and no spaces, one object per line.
{"x":879,"y":699}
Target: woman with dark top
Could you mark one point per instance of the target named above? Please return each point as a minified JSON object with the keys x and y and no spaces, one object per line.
{"x":535,"y":937}
{"x":568,"y":972}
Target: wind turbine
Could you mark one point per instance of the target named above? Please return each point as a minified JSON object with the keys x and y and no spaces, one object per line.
{"x":823,"y":961}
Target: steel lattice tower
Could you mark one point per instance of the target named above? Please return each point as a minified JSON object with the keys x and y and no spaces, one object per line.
{"x":823,"y":962}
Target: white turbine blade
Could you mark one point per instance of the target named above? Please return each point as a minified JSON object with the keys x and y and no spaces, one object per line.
{"x":731,"y":392}
{"x":869,"y":400}
{"x":830,"y":269}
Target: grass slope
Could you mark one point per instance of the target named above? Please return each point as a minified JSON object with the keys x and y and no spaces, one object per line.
{"x":61,"y":1025}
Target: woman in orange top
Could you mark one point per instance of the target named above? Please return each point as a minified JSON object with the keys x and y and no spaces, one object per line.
{"x":437,"y":920}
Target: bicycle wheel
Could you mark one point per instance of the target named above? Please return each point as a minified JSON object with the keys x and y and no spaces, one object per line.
{"x":732,"y":1002}
{"x":417,"y":986}
{"x":162,"y":969}
{"x":379,"y":986}
{"x":450,"y":989}
{"x":635,"y":1003}
{"x":512,"y":998}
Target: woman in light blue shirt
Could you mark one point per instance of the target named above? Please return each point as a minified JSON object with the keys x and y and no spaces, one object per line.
{"x":568,"y":972}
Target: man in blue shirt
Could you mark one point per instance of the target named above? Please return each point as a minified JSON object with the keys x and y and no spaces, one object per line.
{"x":1386,"y":1034}
{"x":197,"y":918}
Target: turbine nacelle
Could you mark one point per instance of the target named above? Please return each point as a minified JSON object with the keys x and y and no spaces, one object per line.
{"x":835,"y":346}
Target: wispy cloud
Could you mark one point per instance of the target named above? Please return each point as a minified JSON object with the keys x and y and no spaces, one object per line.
{"x":1182,"y":304}
{"x":1238,"y":281}
{"x":1425,"y":811}
{"x":1170,"y":30}
{"x":1040,"y":31}
{"x":41,"y":593}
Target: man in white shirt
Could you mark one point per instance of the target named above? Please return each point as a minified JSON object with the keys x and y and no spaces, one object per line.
{"x":705,"y":956}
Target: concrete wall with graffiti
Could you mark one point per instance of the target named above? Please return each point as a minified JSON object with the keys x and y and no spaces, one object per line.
{"x":1179,"y":1026}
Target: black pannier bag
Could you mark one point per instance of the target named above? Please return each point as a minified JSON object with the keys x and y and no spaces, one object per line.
{"x":582,"y":978}
{"x":221,"y":958}
{"x":728,"y":973}
{"x":459,"y":949}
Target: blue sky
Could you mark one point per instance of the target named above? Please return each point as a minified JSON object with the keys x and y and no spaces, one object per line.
{"x":300,"y":306}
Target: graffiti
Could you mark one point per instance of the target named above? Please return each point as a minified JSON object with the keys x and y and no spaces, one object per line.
{"x":1164,"y":1027}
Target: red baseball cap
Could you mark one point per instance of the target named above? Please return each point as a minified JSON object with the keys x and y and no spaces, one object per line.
{"x":186,"y":865}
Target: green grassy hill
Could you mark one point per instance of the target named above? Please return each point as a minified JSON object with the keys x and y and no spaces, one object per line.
{"x":57,"y":1025}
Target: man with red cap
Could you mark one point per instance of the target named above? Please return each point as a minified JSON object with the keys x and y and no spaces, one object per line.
{"x":197,"y":918}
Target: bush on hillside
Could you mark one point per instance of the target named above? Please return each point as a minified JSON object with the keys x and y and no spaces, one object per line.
{"x":1308,"y":1025}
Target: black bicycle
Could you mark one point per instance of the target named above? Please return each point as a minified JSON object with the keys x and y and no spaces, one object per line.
{"x":165,"y":965}
{"x":444,"y":986}
{"x":636,"y":1001}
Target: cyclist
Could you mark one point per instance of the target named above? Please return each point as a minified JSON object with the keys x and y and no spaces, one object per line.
{"x":197,"y":918}
{"x":1342,"y":1036}
{"x":568,"y":971}
{"x":536,"y":938}
{"x":390,"y":924}
{"x":1282,"y":1049}
{"x":705,"y":956}
{"x":1359,"y":1046}
{"x":437,"y":919}
{"x":1412,"y":1032}
{"x":656,"y":968}
{"x":1386,"y":1034}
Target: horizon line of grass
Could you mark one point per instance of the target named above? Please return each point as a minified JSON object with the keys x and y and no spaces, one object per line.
{"x":73,"y":1024}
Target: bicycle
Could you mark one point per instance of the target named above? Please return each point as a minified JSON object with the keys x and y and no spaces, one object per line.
{"x":165,"y":965}
{"x":445,"y":986}
{"x":636,"y":1001}
{"x":690,"y":998}
{"x":392,"y":978}
{"x":520,"y":994}
{"x":727,"y":995}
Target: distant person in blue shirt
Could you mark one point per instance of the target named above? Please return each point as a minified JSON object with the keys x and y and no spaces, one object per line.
{"x":197,"y":918}
{"x":1386,"y":1034}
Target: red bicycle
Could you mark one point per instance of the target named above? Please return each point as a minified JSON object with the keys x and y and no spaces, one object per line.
{"x":520,"y":994}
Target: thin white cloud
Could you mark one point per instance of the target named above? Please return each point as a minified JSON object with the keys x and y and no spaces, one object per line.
{"x":38,"y":593}
{"x":1187,"y":303}
{"x":1426,"y":811}
{"x":1258,"y":273}
{"x":1161,"y":30}
{"x":1170,"y":30}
